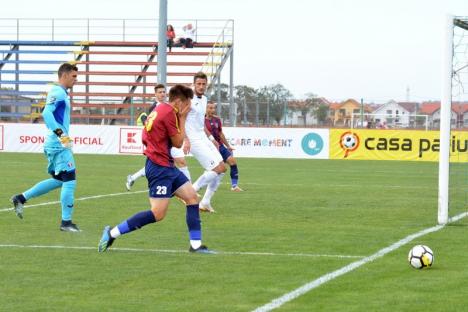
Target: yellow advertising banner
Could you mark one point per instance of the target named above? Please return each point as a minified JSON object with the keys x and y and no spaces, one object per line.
{"x":395,"y":145}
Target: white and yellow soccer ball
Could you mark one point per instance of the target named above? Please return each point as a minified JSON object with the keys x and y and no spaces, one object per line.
{"x":421,"y":256}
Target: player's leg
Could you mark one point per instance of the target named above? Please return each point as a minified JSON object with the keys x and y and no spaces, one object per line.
{"x":39,"y":189}
{"x":156,"y":213}
{"x":188,"y":194}
{"x":231,"y":161}
{"x":205,"y":203}
{"x":204,"y":179}
{"x":234,"y":173}
{"x":180,"y":162}
{"x":208,"y":157}
{"x":211,"y":160}
{"x":131,"y":178}
{"x":65,"y":171}
{"x":160,"y":190}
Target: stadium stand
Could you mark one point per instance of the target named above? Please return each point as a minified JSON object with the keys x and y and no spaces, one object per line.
{"x":116,"y":77}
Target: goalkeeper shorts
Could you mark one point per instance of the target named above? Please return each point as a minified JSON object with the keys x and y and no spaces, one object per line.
{"x":59,"y":160}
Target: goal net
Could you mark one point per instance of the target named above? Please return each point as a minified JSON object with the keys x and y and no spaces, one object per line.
{"x":453,"y":160}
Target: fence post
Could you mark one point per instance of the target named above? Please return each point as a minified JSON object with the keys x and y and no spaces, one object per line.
{"x":257,"y":109}
{"x":268,"y":111}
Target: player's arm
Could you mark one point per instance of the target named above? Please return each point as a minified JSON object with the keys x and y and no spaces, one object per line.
{"x":225,"y":141}
{"x":210,"y":136}
{"x":221,"y":135}
{"x":176,"y":128}
{"x":49,"y":119}
{"x":178,"y":137}
{"x":186,"y":145}
{"x":48,"y":116}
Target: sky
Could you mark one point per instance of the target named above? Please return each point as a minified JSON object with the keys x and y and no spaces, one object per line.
{"x":337,"y":49}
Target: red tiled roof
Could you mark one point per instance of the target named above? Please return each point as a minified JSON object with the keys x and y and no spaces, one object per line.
{"x":431,"y":107}
{"x":335,"y":106}
{"x":460,"y":108}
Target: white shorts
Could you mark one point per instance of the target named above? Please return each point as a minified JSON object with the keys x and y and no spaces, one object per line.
{"x":206,"y":153}
{"x":177,"y":152}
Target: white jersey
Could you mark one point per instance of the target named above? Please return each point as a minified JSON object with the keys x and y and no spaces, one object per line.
{"x":195,"y":123}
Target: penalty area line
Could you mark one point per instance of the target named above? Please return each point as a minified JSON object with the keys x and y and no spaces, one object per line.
{"x":276,"y":303}
{"x":232,"y":253}
{"x":77,"y":199}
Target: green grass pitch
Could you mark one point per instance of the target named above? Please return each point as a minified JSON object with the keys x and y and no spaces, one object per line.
{"x":297,"y":221}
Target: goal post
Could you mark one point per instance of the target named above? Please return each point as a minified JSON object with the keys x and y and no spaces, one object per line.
{"x":454,"y":25}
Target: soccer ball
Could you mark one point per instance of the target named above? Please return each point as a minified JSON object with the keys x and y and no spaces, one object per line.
{"x":349,"y":141}
{"x":420,"y":256}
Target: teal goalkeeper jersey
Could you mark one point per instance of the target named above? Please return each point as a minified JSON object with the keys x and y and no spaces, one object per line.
{"x":56,"y":114}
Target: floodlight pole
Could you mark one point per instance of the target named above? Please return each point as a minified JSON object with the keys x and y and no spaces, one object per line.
{"x":445,"y":120}
{"x":162,"y":42}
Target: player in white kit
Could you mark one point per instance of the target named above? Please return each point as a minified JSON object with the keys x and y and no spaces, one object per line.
{"x":202,"y":145}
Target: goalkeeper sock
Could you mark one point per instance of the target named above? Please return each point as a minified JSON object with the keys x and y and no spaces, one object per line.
{"x":67,"y":197}
{"x":42,"y":188}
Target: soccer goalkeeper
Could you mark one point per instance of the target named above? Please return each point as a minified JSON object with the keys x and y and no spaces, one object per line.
{"x":58,"y":150}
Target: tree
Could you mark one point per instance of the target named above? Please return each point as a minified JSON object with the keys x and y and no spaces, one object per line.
{"x":318,"y":107}
{"x":311,"y":105}
{"x":245,"y":98}
{"x":322,"y":113}
{"x":278,"y":96}
{"x":224,"y":93}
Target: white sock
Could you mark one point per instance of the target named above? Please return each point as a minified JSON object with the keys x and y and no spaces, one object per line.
{"x":204,"y":180}
{"x":139,"y":174}
{"x":186,"y":172}
{"x":206,"y":200}
{"x":195,"y":244}
{"x":211,"y":189}
{"x":115,"y":232}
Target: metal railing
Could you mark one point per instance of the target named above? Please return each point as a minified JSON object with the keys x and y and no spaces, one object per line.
{"x":56,"y":29}
{"x":218,"y":52}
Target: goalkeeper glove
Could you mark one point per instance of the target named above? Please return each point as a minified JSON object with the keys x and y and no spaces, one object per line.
{"x":65,"y":140}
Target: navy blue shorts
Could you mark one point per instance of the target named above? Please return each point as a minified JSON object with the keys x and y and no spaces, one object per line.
{"x":225,"y":153}
{"x":163,"y":181}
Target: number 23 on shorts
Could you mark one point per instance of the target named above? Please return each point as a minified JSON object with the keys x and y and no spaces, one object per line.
{"x":161,"y":190}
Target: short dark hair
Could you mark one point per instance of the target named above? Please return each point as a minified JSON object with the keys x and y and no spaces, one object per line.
{"x":66,"y":68}
{"x":159,"y":86}
{"x":211,"y":102}
{"x":180,"y":92}
{"x":200,"y":75}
